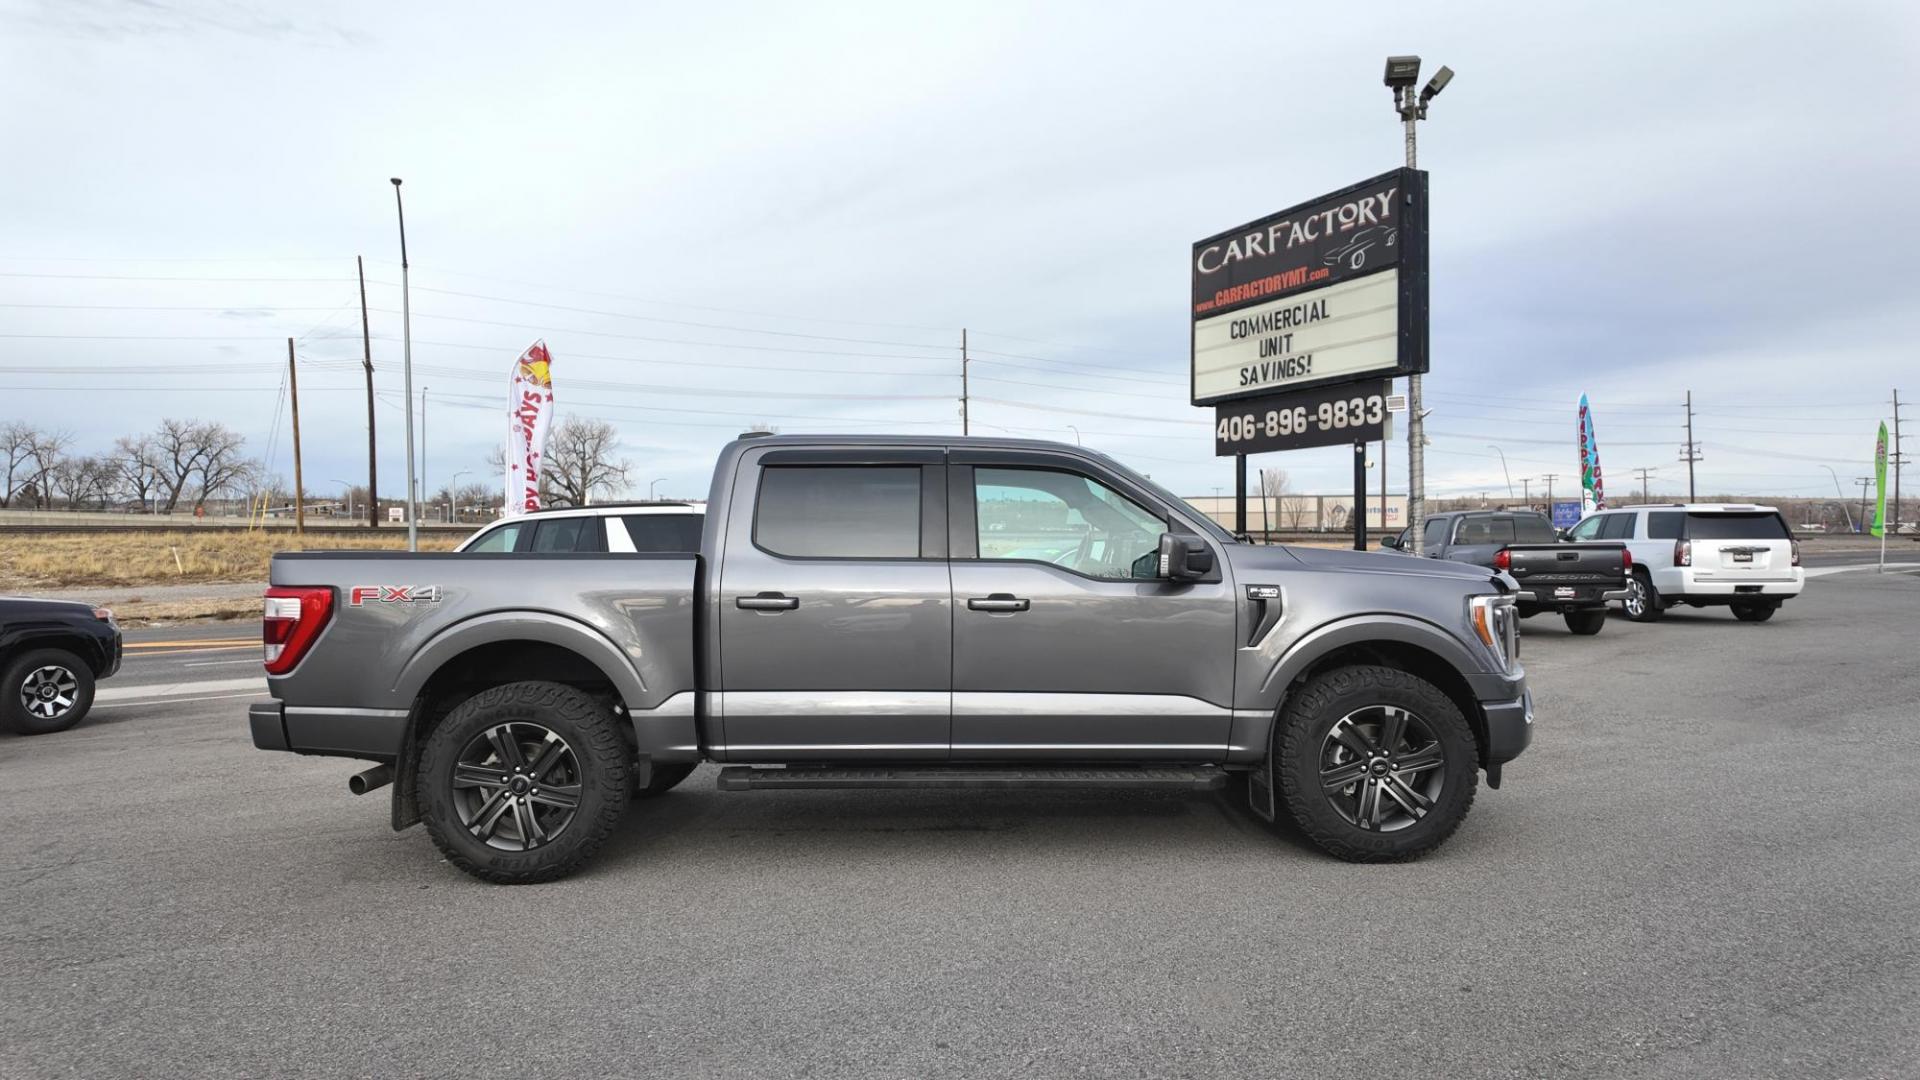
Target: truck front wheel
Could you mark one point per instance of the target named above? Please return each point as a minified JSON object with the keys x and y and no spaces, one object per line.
{"x":522,"y":783}
{"x":1376,"y":764}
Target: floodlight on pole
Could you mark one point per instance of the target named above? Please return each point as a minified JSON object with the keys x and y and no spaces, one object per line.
{"x":1401,"y":75}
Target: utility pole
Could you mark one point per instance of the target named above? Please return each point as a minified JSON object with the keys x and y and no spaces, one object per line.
{"x":299,"y":485}
{"x":423,"y":440}
{"x":1643,"y":483}
{"x":964,"y":419}
{"x":366,"y":354}
{"x":1864,"y":482}
{"x":406,"y":363}
{"x":1526,"y":491}
{"x":1690,"y":453}
{"x":1401,"y":73}
{"x":1550,"y":478}
{"x":1895,"y":455}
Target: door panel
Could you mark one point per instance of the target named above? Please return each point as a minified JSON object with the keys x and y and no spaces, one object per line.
{"x":835,"y":657}
{"x":1095,"y":664}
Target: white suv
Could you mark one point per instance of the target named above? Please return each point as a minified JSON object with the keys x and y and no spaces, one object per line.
{"x":1704,"y":554}
{"x":615,"y":527}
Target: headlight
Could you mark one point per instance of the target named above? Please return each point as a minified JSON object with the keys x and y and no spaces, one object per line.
{"x":1497,"y":624}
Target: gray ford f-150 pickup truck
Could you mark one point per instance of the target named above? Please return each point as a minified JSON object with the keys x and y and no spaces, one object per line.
{"x":889,"y":612}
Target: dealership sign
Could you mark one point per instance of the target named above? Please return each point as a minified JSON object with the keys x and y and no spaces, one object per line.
{"x":1330,"y":291}
{"x":1324,"y":416}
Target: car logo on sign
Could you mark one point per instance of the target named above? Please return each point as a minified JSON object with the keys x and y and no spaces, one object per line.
{"x":361,"y":595}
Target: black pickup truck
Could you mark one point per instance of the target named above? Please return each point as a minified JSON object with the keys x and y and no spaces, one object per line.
{"x":1575,"y":579}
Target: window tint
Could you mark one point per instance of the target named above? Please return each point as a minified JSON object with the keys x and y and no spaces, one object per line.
{"x":1665,"y":524}
{"x":1065,"y":519}
{"x":840,"y":511}
{"x":1434,"y":534}
{"x":1483,"y":530}
{"x":1760,"y":526}
{"x":1617,"y":527}
{"x":560,"y":534}
{"x":500,"y":538}
{"x":664,"y":532}
{"x":1588,"y":529}
{"x":1533,"y":529}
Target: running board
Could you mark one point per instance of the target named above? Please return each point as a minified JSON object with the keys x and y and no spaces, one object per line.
{"x":1196,"y":778}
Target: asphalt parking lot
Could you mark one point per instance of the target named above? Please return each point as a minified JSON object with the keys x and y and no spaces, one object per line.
{"x":1706,"y":865}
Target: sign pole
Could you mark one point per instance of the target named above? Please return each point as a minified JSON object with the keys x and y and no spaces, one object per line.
{"x":1360,"y":495}
{"x":1239,"y":494}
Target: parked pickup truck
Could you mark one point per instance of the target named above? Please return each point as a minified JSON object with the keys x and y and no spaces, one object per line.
{"x":880,"y":612}
{"x":1575,"y":579}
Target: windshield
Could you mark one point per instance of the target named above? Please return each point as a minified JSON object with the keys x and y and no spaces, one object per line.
{"x":1764,"y":525}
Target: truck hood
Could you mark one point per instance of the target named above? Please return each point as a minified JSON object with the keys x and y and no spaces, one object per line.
{"x":1336,"y":560}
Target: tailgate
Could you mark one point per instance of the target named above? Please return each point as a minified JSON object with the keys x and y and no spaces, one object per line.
{"x":1568,"y":572}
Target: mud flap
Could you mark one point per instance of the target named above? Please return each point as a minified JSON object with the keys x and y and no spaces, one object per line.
{"x":1260,"y":789}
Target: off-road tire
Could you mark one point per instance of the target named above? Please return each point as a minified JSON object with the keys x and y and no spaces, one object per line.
{"x":14,"y":715}
{"x":665,"y":778}
{"x":1304,"y":722}
{"x":605,"y":764}
{"x":1648,"y":603}
{"x":1754,"y":612}
{"x":1586,"y":623}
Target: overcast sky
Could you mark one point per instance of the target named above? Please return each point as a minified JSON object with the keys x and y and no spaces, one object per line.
{"x":718,"y":215}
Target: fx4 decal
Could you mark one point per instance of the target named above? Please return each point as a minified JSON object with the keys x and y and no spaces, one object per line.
{"x":393,"y":594}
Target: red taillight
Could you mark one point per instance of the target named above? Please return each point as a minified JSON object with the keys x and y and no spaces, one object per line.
{"x":1683,"y":553}
{"x":1502,"y":560}
{"x":290,"y":619}
{"x":1626,"y":559}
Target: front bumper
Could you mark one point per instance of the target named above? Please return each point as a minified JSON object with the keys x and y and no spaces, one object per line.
{"x":1506,"y":704}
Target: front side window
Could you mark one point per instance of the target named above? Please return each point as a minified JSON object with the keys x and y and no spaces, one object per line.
{"x":1587,"y":530}
{"x":839,"y":511}
{"x":497,"y":539}
{"x":1435,"y":534}
{"x":1065,"y":519}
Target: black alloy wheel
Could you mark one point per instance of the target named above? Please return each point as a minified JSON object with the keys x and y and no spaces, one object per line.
{"x":1382,"y":768}
{"x":516,"y":786}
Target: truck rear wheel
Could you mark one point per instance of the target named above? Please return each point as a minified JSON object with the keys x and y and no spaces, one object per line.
{"x":1376,"y":764}
{"x":1586,"y":622}
{"x":522,"y":783}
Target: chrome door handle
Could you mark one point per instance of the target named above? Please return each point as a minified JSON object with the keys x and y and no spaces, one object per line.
{"x":998,"y":602}
{"x":767,"y":601}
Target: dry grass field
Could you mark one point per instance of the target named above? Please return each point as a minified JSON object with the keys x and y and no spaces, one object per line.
{"x":135,"y":557}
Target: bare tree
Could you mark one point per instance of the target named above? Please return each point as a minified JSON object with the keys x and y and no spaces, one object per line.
{"x":208,"y":452}
{"x":84,"y":480}
{"x":45,"y":454}
{"x":580,"y":463}
{"x":17,"y":440}
{"x":136,"y":469}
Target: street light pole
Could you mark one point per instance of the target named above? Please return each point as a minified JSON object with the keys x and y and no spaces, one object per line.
{"x":349,"y":488}
{"x":406,"y":364}
{"x":1402,"y":72}
{"x":1076,"y":435}
{"x":453,"y":495}
{"x":1503,"y":469}
{"x":652,"y":485}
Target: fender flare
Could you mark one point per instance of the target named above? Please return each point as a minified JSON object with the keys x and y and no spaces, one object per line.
{"x":549,"y":629}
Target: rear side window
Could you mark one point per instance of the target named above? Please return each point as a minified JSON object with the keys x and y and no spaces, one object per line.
{"x":1479,"y":530}
{"x":1617,"y":527}
{"x":839,"y":511}
{"x":1665,"y":524}
{"x":1533,"y":529}
{"x":663,"y":532}
{"x":1754,"y":526}
{"x":561,"y":534}
{"x":499,"y":539}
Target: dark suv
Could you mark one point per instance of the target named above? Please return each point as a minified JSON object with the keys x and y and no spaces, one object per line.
{"x":51,"y":653}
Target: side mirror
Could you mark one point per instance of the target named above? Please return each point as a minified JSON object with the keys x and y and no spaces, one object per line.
{"x":1183,"y":558}
{"x":1565,"y":534}
{"x":1391,"y":542}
